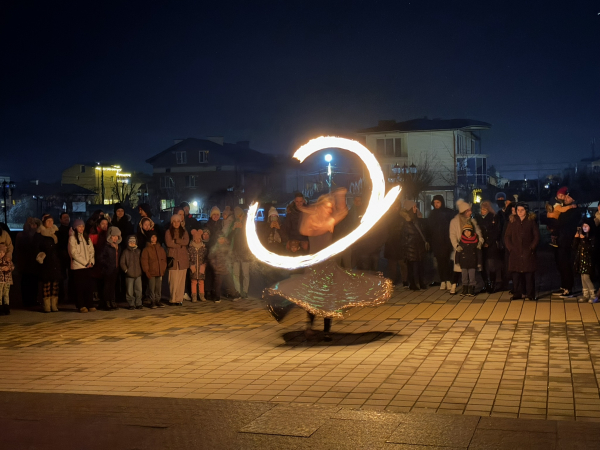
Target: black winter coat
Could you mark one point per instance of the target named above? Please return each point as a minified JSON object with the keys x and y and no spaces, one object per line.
{"x":438,"y":231}
{"x":124,"y":224}
{"x":584,"y":250}
{"x":393,"y":245}
{"x":215,"y":228}
{"x":491,"y":229}
{"x":469,"y":257}
{"x":109,"y":259}
{"x":51,"y":269}
{"x":412,"y":243}
{"x":567,"y":226}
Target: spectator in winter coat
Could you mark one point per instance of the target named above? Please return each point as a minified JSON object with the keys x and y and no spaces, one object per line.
{"x":438,"y":225}
{"x":197,"y":252}
{"x":49,"y":258}
{"x":6,"y":268}
{"x":62,"y":234}
{"x":220,"y":261}
{"x":154,"y":265}
{"x":24,"y":259}
{"x":414,"y":246}
{"x":398,"y":270}
{"x":214,"y":225}
{"x":99,"y":241}
{"x":522,"y":238}
{"x":492,"y":253}
{"x":122,"y":221}
{"x":242,"y":256}
{"x":81,"y":251}
{"x":177,"y":240}
{"x":190,"y":222}
{"x":146,"y":212}
{"x":290,"y":231}
{"x":109,"y":261}
{"x":468,"y":255}
{"x":130,"y":264}
{"x":457,"y":224}
{"x":6,"y":240}
{"x":584,"y":264}
{"x":567,"y":224}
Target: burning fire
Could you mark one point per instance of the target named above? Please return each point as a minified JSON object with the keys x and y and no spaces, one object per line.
{"x":378,"y":205}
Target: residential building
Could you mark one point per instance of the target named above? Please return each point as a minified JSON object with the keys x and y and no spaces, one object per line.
{"x":451,"y":149}
{"x":109,"y":181}
{"x":208,"y":172}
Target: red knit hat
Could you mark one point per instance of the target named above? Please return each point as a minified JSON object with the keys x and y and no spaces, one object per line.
{"x":563,"y":190}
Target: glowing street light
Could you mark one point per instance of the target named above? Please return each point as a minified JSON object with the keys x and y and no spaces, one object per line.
{"x":328,"y":158}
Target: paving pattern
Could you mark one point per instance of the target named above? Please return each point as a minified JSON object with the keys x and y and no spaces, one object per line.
{"x":423,"y":351}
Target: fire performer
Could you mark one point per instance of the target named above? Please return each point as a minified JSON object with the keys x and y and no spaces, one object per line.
{"x":325,"y":289}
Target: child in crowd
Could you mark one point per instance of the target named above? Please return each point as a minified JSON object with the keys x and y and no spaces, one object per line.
{"x":130,"y":264}
{"x":197,"y":252}
{"x":554,"y":212}
{"x":469,"y":258}
{"x":154,"y":265}
{"x":584,"y":249}
{"x":6,"y":268}
{"x":219,"y":258}
{"x":109,"y":262}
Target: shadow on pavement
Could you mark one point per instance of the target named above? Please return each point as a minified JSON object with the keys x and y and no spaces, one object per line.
{"x":294,"y":338}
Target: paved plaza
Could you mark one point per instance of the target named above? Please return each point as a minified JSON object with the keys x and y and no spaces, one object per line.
{"x":422,"y":352}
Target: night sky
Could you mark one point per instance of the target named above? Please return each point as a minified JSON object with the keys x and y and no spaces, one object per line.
{"x":118,"y":81}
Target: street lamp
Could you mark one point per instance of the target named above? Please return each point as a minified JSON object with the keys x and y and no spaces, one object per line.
{"x":7,"y":185}
{"x":328,"y":158}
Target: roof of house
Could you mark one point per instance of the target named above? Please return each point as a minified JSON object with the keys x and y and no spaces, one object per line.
{"x":52,"y":189}
{"x":238,"y":153}
{"x":426,"y":124}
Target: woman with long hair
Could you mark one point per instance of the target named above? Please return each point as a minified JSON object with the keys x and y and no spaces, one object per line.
{"x":177,"y":240}
{"x":81,"y":251}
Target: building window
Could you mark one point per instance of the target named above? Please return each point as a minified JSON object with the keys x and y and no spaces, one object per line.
{"x":166,"y":182}
{"x":81,"y":169}
{"x":391,"y":147}
{"x":203,"y":156}
{"x":167,"y":203}
{"x":190,"y":181}
{"x":181,"y":157}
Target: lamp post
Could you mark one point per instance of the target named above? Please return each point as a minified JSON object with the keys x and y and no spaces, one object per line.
{"x":7,"y":185}
{"x":328,"y":158}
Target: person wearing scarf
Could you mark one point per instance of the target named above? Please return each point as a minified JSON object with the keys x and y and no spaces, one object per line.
{"x":469,"y":258}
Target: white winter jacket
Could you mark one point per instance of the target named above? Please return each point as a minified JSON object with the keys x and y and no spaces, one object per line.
{"x":81,"y":254}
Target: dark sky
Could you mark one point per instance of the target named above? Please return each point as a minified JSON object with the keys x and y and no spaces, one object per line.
{"x":100,"y":81}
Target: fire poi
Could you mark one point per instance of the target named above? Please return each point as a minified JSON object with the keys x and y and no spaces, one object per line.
{"x":325,"y":289}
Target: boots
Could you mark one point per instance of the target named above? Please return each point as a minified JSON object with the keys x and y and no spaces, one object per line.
{"x":194,"y":297}
{"x":471,"y":291}
{"x":585,"y":296}
{"x":453,"y":289}
{"x":202,"y":297}
{"x":486,"y":288}
{"x":113,"y":304}
{"x":54,"y":304}
{"x":47,"y":304}
{"x":465,"y":291}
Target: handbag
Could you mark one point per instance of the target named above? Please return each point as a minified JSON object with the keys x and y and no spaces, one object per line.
{"x":170,"y":262}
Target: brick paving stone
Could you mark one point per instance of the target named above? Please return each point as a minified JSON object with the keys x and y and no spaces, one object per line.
{"x":420,"y":351}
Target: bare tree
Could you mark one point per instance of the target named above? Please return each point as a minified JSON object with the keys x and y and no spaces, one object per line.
{"x":413,"y":184}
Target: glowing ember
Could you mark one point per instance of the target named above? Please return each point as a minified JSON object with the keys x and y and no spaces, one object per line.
{"x":378,"y":205}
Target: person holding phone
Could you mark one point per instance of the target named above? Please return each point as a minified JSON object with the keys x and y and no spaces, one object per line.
{"x":583,"y":243}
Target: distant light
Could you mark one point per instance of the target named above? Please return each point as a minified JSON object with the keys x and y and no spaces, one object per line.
{"x":328,"y":157}
{"x":195,"y":203}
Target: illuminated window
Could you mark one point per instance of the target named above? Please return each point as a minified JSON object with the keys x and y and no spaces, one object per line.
{"x":181,"y":157}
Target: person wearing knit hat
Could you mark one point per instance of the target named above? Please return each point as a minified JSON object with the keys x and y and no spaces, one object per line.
{"x":274,"y":236}
{"x":177,"y":239}
{"x":109,"y":263}
{"x":145,"y":210}
{"x":77,"y":223}
{"x":438,"y":224}
{"x":463,"y":217}
{"x":468,"y":256}
{"x":130,"y":264}
{"x":491,"y":225}
{"x":6,"y":268}
{"x":154,"y":265}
